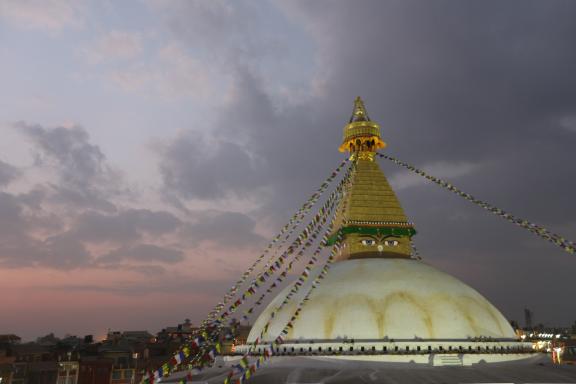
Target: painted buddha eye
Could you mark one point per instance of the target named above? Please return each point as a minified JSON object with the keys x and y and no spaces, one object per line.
{"x":368,"y":242}
{"x":391,"y":243}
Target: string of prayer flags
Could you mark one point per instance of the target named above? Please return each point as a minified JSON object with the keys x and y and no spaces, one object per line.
{"x":248,"y":372}
{"x":314,"y":226}
{"x":566,"y":245}
{"x":293,"y":222}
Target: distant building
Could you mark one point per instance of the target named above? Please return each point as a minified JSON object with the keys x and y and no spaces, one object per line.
{"x":42,"y":372}
{"x":20,"y":373}
{"x":123,"y":357}
{"x":68,"y":372}
{"x":32,"y":352}
{"x":34,"y":364}
{"x":95,"y":371}
{"x":122,"y":376}
{"x":233,"y":335}
{"x":6,"y":372}
{"x":49,"y":339}
{"x":137,"y":336}
{"x":129,"y":336}
{"x":6,"y":365}
{"x":181,"y":332}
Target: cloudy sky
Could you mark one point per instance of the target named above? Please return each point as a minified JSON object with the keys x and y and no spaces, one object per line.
{"x":149,"y":148}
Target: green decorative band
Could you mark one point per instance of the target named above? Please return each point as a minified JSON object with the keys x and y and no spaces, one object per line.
{"x":378,"y":231}
{"x":380,"y":223}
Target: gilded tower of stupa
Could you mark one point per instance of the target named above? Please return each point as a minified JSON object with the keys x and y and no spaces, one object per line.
{"x":371,"y":219}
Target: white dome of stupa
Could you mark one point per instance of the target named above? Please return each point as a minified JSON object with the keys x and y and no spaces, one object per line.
{"x":394,"y":299}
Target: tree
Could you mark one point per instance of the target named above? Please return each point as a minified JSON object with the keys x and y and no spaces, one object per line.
{"x":49,"y":339}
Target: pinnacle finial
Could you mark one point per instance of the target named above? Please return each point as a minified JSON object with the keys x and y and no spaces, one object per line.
{"x":359,"y":113}
{"x":361,"y":134}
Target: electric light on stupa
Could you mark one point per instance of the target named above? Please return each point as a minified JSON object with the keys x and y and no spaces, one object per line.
{"x":377,"y":293}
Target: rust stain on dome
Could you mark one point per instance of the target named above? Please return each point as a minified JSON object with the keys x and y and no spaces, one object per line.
{"x":417,"y":303}
{"x":329,"y":325}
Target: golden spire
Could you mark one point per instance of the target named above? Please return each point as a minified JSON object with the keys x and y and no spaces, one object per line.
{"x":361,"y":135}
{"x":359,"y":113}
{"x":370,"y":216}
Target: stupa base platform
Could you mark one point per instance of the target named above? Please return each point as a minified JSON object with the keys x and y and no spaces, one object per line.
{"x":538,"y":368}
{"x":431,"y":352}
{"x":439,"y":359}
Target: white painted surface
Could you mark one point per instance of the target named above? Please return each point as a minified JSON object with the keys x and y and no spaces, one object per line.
{"x":379,"y":298}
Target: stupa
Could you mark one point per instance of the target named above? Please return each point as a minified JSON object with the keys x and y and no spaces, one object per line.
{"x":379,"y":301}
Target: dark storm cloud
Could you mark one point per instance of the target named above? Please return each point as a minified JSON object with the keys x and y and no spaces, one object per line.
{"x":64,"y":251}
{"x":19,"y":249}
{"x":255,"y":146}
{"x":50,"y":224}
{"x":484,"y":83}
{"x":475,"y":77}
{"x":80,"y":199}
{"x":192,"y":167}
{"x":7,"y":173}
{"x":33,"y":198}
{"x":80,"y":164}
{"x":85,"y":179}
{"x":143,"y":253}
{"x":12,"y":225}
{"x":66,"y":248}
{"x":224,"y":229}
{"x":125,"y":226}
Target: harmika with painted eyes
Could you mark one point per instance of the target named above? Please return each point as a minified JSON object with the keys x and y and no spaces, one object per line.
{"x":376,"y":246}
{"x":381,"y":243}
